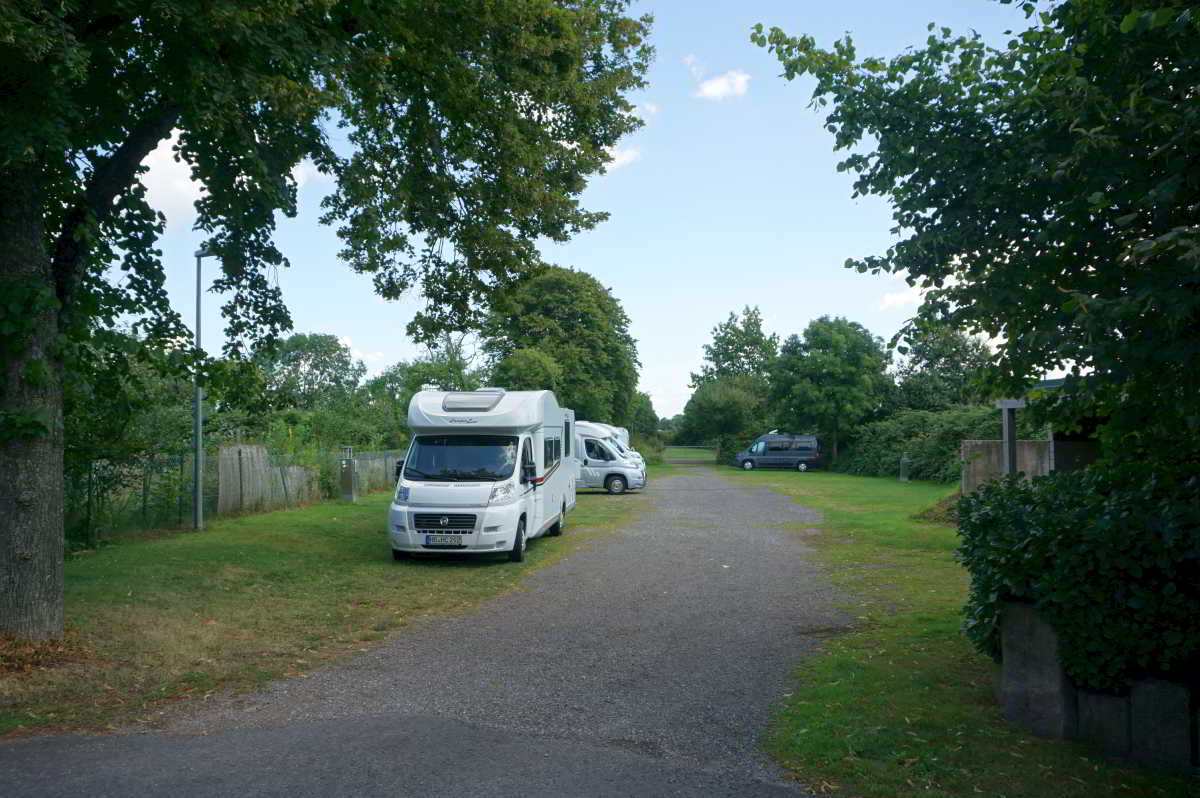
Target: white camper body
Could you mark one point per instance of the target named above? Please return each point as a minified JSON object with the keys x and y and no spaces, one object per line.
{"x":604,"y":463}
{"x":611,"y":434}
{"x":486,"y":471}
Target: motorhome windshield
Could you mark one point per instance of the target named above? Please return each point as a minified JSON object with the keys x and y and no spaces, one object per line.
{"x":461,"y":458}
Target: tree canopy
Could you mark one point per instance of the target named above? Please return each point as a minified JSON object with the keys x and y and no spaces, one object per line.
{"x":830,"y":380}
{"x":579,"y":325}
{"x":469,"y":129}
{"x":739,"y":347}
{"x":939,"y":367}
{"x":1045,"y":193}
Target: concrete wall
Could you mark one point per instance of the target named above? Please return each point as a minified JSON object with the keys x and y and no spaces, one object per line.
{"x":1157,"y":723}
{"x":984,"y":460}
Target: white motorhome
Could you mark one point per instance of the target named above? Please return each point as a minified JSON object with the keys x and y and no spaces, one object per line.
{"x":603,"y":463}
{"x":611,"y":434}
{"x":486,"y":471}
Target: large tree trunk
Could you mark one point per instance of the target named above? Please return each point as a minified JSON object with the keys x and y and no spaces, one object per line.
{"x":31,"y":423}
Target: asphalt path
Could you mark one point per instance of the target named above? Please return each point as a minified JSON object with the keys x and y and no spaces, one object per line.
{"x":647,"y":665}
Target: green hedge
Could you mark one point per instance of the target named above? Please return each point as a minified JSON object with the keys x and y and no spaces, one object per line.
{"x":1112,"y":560}
{"x":931,"y":439}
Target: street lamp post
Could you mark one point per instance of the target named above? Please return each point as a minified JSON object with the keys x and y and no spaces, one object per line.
{"x":198,"y":415}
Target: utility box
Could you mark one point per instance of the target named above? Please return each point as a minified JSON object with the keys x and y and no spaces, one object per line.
{"x":349,"y":481}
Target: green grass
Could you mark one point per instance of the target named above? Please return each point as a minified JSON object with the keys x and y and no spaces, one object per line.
{"x":903,"y":706}
{"x":245,"y":601}
{"x":688,"y":453}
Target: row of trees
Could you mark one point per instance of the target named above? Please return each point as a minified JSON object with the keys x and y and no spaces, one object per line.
{"x":830,"y":380}
{"x":559,"y":330}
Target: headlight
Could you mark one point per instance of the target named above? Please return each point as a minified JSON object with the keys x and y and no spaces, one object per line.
{"x":503,"y":493}
{"x":401,"y":495}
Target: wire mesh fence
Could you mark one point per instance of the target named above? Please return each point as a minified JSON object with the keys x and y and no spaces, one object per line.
{"x":108,"y":501}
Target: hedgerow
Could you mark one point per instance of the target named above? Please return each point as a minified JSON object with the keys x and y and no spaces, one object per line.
{"x":932,"y":441}
{"x":1111,"y":559}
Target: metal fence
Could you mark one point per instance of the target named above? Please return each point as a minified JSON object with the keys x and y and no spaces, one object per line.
{"x":108,"y":501}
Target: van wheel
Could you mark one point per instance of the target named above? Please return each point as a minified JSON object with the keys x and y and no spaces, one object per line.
{"x":518,"y":550}
{"x":615,"y":485}
{"x":747,"y":465}
{"x":802,"y":466}
{"x":560,"y":524}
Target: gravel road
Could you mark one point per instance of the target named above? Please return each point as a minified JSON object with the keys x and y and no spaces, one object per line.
{"x":647,"y":665}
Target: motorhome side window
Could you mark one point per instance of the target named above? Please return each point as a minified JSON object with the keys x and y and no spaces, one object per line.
{"x":552,"y":451}
{"x":779,"y":445}
{"x":567,"y":438}
{"x":457,"y":458}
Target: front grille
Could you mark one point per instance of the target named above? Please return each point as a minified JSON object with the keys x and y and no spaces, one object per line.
{"x":432,"y":522}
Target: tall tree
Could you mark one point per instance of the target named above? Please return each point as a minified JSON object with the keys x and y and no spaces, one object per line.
{"x":470,"y":127}
{"x":739,"y":348}
{"x":309,"y":369}
{"x":1048,"y":195}
{"x":939,"y":368}
{"x":643,"y":420}
{"x":830,"y":380}
{"x":728,"y":410}
{"x":528,"y":370}
{"x":572,"y":318}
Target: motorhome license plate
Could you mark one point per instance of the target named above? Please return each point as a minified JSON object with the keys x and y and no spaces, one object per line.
{"x":443,"y":540}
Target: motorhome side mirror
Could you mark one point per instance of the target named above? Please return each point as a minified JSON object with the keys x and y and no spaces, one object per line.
{"x":399,"y":468}
{"x":528,"y":471}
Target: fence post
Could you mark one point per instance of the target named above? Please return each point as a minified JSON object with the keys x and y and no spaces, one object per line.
{"x":241,"y":484}
{"x":90,"y":535}
{"x":145,"y":492}
{"x":179,"y":493}
{"x":287,"y":500}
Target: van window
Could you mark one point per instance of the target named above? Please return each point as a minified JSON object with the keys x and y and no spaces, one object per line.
{"x":779,"y":445}
{"x":595,"y":451}
{"x":758,"y":448}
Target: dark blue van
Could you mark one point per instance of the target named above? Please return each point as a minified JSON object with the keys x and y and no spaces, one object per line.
{"x":780,"y":450}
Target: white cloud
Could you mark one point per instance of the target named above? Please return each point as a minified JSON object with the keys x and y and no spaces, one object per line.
{"x":622,"y":156}
{"x":909,"y":296}
{"x":733,"y":83}
{"x":306,"y":172}
{"x":374,"y":361}
{"x":169,"y":185}
{"x":694,"y":66}
{"x":650,"y":108}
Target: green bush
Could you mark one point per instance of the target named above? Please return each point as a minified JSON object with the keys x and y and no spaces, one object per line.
{"x":648,"y":446}
{"x":931,"y":439}
{"x":1112,"y":560}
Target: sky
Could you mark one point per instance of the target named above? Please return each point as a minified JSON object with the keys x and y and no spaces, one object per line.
{"x":728,"y":197}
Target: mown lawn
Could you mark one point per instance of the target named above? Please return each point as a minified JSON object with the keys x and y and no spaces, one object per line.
{"x":904,"y":706}
{"x":245,"y":601}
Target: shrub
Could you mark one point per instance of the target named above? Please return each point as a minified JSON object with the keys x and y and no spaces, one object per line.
{"x":931,"y":439}
{"x":1112,"y":560}
{"x":648,"y":446}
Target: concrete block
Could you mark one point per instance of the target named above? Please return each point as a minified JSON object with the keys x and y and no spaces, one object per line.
{"x":1104,"y":722}
{"x":1160,"y":723}
{"x":1036,"y":692}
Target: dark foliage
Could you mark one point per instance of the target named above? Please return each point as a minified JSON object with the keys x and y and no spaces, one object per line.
{"x":1111,"y":558}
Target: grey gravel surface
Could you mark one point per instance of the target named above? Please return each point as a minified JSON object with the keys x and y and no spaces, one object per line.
{"x":647,"y":665}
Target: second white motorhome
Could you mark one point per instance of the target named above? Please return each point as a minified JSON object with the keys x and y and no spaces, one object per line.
{"x":604,"y":463}
{"x":486,"y":471}
{"x":612,"y":436}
